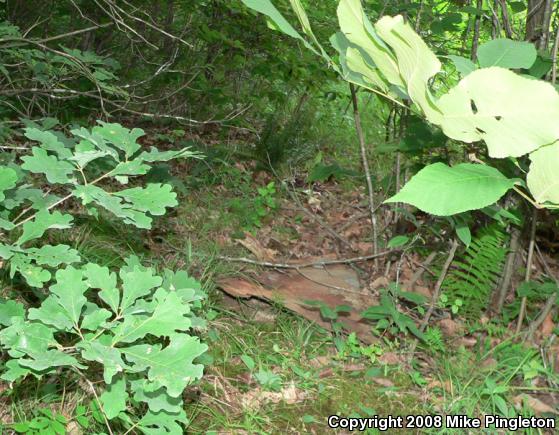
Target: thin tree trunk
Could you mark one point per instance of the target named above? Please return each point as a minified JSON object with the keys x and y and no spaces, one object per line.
{"x":477,"y":25}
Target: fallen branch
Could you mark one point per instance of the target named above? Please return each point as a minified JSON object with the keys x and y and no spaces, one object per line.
{"x":309,"y":264}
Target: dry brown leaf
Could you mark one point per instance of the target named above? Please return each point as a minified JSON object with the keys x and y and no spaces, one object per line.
{"x":380,"y":282}
{"x":255,"y":246}
{"x":535,"y":404}
{"x":391,"y":358}
{"x":449,"y":327}
{"x":424,"y":291}
{"x":547,"y":326}
{"x":254,"y":399}
{"x":383,"y":381}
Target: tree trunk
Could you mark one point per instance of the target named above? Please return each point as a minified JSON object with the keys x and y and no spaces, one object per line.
{"x":537,"y":22}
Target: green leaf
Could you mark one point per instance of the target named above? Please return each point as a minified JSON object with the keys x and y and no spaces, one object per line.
{"x":171,"y":367}
{"x":14,"y":371}
{"x":249,"y":362}
{"x":137,"y":283}
{"x":85,"y":152}
{"x":49,"y":359}
{"x":43,"y":221}
{"x":372,"y":55}
{"x":153,"y":199}
{"x":509,"y":112}
{"x":9,"y":309}
{"x":112,"y":203}
{"x":133,"y":167}
{"x":442,"y":190}
{"x":94,"y":317}
{"x":463,"y":232}
{"x":463,"y":65}
{"x":8,"y":179}
{"x":49,"y":142}
{"x":168,"y":317}
{"x":23,"y":337}
{"x":267,"y":8}
{"x":34,"y":275}
{"x":156,"y":398}
{"x":114,"y":398}
{"x":108,"y":356}
{"x":120,"y":136}
{"x":543,"y":177}
{"x":53,"y":255}
{"x":55,"y":170}
{"x":416,"y":63}
{"x":157,"y":423}
{"x":507,"y":53}
{"x":50,"y":313}
{"x":101,"y":278}
{"x":397,"y":241}
{"x":70,"y":288}
{"x":154,"y":155}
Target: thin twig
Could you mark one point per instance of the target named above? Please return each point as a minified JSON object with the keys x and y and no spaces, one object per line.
{"x":528,"y":269}
{"x":549,"y":304}
{"x":365,"y":162}
{"x":436,"y":295}
{"x":308,"y":264}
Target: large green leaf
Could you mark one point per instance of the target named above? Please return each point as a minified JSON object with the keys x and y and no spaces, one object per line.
{"x":157,"y":399}
{"x":53,"y":255}
{"x":9,"y":309}
{"x":417,"y":64}
{"x":22,"y":337}
{"x":121,"y":137}
{"x":105,"y":280}
{"x":137,"y":283}
{"x":8,"y":179}
{"x":442,"y":190}
{"x":49,"y":359}
{"x":359,"y":31}
{"x":110,"y":357}
{"x":70,"y":288}
{"x":56,"y":171}
{"x":512,"y":114}
{"x":43,"y":221}
{"x":167,"y":318}
{"x":507,"y":53}
{"x":50,"y":313}
{"x":543,"y":177}
{"x":153,"y":198}
{"x":171,"y":367}
{"x":114,"y":398}
{"x":49,"y":142}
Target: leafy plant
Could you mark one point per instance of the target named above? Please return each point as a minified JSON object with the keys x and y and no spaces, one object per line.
{"x":136,"y":326}
{"x":388,"y":316}
{"x":476,"y":274}
{"x":72,"y":330}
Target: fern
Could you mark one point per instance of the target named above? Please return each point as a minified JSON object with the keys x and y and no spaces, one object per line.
{"x":475,"y":275}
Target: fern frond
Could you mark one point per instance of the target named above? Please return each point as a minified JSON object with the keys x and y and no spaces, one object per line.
{"x":473,"y":277}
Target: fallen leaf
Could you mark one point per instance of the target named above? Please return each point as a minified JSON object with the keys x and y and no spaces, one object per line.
{"x":255,"y":246}
{"x":547,"y":326}
{"x":390,"y":358}
{"x":449,"y":327}
{"x":535,"y":404}
{"x":383,"y":381}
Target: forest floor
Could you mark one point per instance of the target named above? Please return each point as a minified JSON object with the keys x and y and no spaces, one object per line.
{"x":287,"y":345}
{"x":282,"y":364}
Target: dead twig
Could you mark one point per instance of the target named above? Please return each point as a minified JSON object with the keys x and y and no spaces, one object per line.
{"x":365,"y":162}
{"x":528,"y":269}
{"x":308,"y":264}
